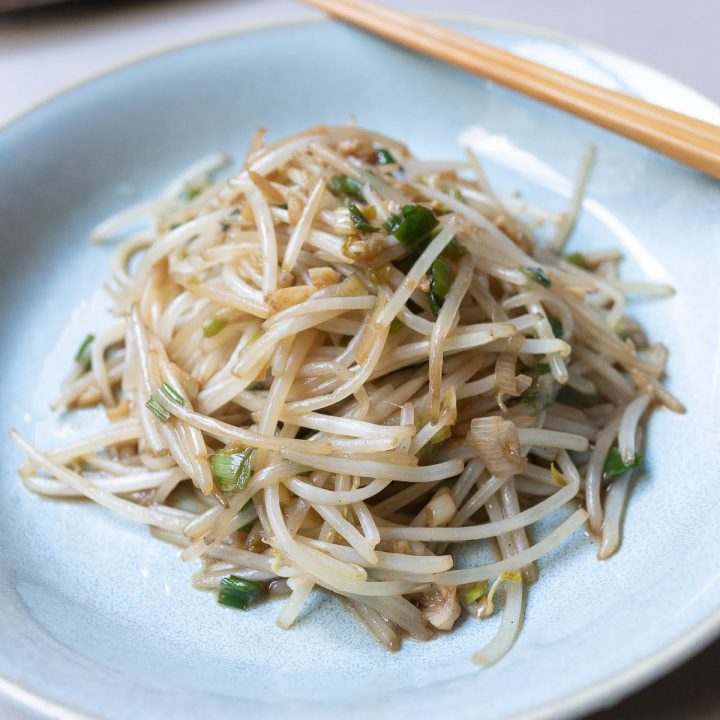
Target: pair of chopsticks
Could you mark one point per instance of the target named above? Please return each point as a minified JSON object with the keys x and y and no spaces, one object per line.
{"x":688,"y":140}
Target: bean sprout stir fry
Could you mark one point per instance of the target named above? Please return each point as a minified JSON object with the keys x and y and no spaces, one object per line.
{"x":342,"y":363}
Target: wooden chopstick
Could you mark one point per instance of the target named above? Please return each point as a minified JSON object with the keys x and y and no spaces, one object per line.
{"x":686,"y":139}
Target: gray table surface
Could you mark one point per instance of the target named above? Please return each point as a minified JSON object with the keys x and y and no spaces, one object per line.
{"x":46,"y":49}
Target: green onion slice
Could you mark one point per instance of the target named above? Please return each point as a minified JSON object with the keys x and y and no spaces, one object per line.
{"x":441,"y":435}
{"x":556,"y":325}
{"x":172,"y":393}
{"x":577,"y":259}
{"x":385,"y":157}
{"x":157,"y":409}
{"x":536,"y":370}
{"x":538,"y":275}
{"x":232,"y":470}
{"x":238,"y":593}
{"x":440,"y":276}
{"x":615,"y":465}
{"x":83,"y":355}
{"x":541,"y":393}
{"x":473,"y":592}
{"x":414,"y":227}
{"x":359,"y":220}
{"x":454,"y":249}
{"x":190,"y":193}
{"x":345,"y":185}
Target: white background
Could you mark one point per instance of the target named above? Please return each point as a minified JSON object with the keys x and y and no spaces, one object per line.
{"x":44,"y":51}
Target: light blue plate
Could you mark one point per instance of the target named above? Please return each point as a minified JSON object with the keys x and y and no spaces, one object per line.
{"x":98,"y":617}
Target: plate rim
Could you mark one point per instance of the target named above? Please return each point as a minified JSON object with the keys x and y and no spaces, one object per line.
{"x":613,"y":688}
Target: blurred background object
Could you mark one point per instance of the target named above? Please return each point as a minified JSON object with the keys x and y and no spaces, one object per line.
{"x":24,"y":4}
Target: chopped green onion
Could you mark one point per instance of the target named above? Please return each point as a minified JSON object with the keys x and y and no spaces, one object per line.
{"x":385,"y":157}
{"x":172,"y":393}
{"x":435,"y":304}
{"x":282,"y":206}
{"x":428,"y":449}
{"x":536,"y":370}
{"x":396,"y":325}
{"x":225,"y":226}
{"x":457,"y":194}
{"x":232,"y":470}
{"x":392,"y":222}
{"x":157,"y":409}
{"x":238,"y":593}
{"x":556,"y":325}
{"x":577,"y":259}
{"x":541,"y":393}
{"x":426,"y":452}
{"x":190,"y":193}
{"x":345,"y":185}
{"x":473,"y":592}
{"x":440,"y":276}
{"x":256,"y":385}
{"x":213,"y":325}
{"x":441,"y":435}
{"x":359,"y":220}
{"x":615,"y":465}
{"x":538,"y":275}
{"x":453,"y":249}
{"x":414,"y":228}
{"x":84,"y":353}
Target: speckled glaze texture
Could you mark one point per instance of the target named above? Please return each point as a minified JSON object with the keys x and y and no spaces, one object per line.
{"x":98,"y":617}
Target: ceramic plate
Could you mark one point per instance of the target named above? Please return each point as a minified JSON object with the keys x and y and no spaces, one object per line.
{"x":100,"y":620}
